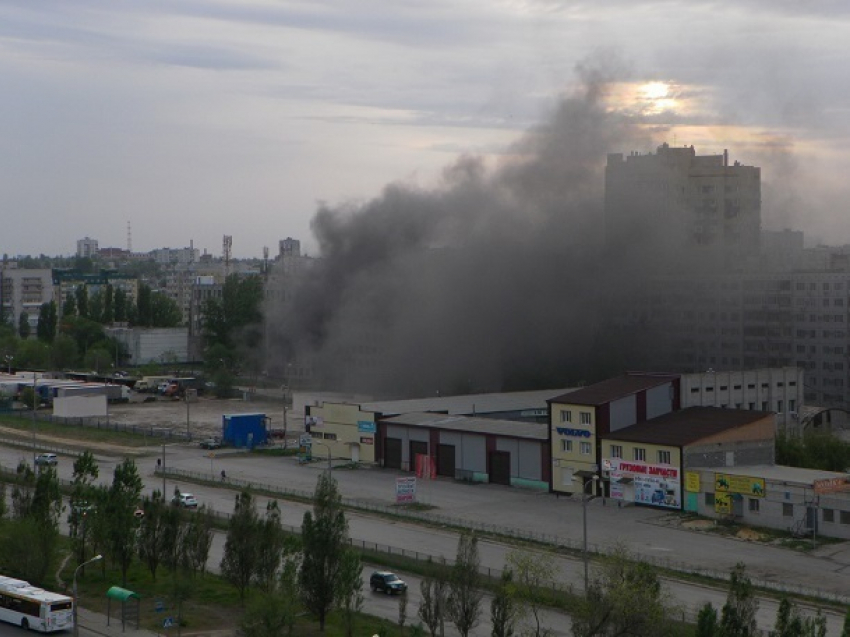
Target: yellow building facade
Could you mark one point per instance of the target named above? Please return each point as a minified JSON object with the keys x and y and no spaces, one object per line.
{"x":573,"y":433}
{"x":343,"y":431}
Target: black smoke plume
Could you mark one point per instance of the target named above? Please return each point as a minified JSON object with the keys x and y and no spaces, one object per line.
{"x":495,"y":280}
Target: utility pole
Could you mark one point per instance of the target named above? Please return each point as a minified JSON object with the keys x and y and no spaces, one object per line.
{"x":34,"y":403}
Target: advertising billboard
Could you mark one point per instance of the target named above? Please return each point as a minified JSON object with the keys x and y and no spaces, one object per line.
{"x":405,"y":490}
{"x":746,"y":485}
{"x":643,"y":483}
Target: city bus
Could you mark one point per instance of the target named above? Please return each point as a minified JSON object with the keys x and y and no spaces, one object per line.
{"x":34,"y":608}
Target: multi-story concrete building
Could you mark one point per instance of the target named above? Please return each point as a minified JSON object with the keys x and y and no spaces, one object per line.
{"x":87,"y":247}
{"x":66,"y":282}
{"x":727,"y":322}
{"x":23,"y":290}
{"x":680,"y":198}
{"x":168,"y":256}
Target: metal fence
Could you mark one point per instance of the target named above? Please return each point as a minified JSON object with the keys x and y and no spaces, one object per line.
{"x":546,"y":539}
{"x":105,"y":424}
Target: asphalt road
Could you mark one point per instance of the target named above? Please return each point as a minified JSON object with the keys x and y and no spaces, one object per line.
{"x":638,"y":530}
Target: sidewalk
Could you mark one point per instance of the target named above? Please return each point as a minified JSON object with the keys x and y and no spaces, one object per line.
{"x":95,"y":624}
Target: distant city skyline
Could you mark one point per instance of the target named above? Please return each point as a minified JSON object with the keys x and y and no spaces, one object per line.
{"x":194,"y":120}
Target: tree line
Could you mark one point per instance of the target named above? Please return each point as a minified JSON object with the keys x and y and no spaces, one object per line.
{"x":78,"y":337}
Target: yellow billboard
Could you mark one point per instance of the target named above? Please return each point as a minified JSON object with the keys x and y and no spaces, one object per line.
{"x":692,"y":481}
{"x":725,"y":483}
{"x":722,"y":503}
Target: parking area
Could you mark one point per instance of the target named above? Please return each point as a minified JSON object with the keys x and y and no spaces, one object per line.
{"x":202,"y":417}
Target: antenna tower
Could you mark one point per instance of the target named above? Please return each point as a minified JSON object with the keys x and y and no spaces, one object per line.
{"x":129,"y":238}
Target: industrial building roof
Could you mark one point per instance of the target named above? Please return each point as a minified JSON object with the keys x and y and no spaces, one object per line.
{"x":613,"y":389}
{"x":468,"y":405}
{"x":685,"y":427}
{"x":507,"y":428}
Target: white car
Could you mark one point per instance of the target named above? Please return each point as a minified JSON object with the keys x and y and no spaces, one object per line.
{"x":185,"y":500}
{"x":46,"y":459}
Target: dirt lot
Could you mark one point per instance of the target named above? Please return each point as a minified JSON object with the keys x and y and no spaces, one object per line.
{"x":204,"y":416}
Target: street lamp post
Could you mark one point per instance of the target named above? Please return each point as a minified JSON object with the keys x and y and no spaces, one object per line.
{"x":285,"y":390}
{"x":584,"y":501}
{"x":9,"y":359}
{"x":74,"y":589}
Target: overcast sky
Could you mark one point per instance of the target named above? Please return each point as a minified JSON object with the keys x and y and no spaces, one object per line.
{"x":193,"y":119}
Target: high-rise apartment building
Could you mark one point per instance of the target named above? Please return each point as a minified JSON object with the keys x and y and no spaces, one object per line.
{"x":87,"y":247}
{"x":679,"y":199}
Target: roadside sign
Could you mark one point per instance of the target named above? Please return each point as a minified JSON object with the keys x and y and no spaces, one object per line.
{"x":405,"y":490}
{"x":168,"y":622}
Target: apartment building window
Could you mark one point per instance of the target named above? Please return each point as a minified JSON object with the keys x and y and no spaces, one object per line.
{"x":764,"y":405}
{"x":330,"y":436}
{"x":787,"y":510}
{"x":566,"y":445}
{"x":616,"y":451}
{"x":754,"y":505}
{"x":829,"y":515}
{"x":779,"y":406}
{"x":844,"y":517}
{"x":663,"y":457}
{"x":752,"y":407}
{"x":585,"y":448}
{"x":566,"y":416}
{"x":709,"y":499}
{"x":792,"y":405}
{"x":585,"y":417}
{"x":639,"y":454}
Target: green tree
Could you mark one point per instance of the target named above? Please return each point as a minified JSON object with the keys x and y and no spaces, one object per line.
{"x":738,"y":617}
{"x":172,"y":538}
{"x":707,"y":623}
{"x":151,"y":530}
{"x":64,"y":352}
{"x":504,"y":607}
{"x":270,"y":542}
{"x":532,"y":572}
{"x":273,"y":613}
{"x":349,"y":589}
{"x":464,"y":602}
{"x":27,"y":550}
{"x":33,"y":354}
{"x":86,"y":333}
{"x":123,"y":498}
{"x":108,"y":315}
{"x":83,"y":494}
{"x":197,"y":540}
{"x":143,"y":306}
{"x":98,"y":358}
{"x":82,"y":300}
{"x":120,"y":305}
{"x":434,"y":598}
{"x":69,"y":307}
{"x":235,"y":320}
{"x":239,"y":563}
{"x":95,"y":312}
{"x":324,"y":536}
{"x":623,"y":598}
{"x":22,"y":491}
{"x":47,"y":498}
{"x":164,"y":311}
{"x":47,"y":319}
{"x":24,"y":325}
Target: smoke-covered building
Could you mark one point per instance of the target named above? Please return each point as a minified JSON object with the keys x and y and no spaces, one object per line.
{"x":743,"y":321}
{"x":682,"y":198}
